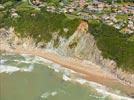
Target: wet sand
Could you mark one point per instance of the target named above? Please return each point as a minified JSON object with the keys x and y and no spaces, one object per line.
{"x":89,"y":71}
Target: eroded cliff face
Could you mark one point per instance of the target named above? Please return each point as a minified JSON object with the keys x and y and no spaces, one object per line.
{"x":81,"y":45}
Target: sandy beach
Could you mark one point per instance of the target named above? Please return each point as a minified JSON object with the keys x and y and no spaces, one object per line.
{"x":87,"y":69}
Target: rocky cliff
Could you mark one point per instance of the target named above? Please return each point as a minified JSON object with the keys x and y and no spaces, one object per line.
{"x":81,"y":45}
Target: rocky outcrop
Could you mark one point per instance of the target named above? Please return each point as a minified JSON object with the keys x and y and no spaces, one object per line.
{"x":81,"y":45}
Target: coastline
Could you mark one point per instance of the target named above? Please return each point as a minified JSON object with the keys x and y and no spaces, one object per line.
{"x":88,"y":55}
{"x":88,"y":71}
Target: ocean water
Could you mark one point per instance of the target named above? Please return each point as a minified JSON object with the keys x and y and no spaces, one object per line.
{"x":25,"y":77}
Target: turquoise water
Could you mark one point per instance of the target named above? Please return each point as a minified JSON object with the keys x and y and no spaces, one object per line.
{"x":32,"y":78}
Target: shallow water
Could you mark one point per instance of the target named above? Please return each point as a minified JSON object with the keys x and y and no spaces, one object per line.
{"x":24,"y":77}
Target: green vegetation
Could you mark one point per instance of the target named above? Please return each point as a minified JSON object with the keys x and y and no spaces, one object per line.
{"x":113,"y":44}
{"x":38,"y":24}
{"x":131,"y":38}
{"x":122,"y":17}
{"x":25,"y":7}
{"x":52,"y":2}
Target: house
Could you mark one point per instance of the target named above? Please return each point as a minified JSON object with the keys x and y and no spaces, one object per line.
{"x":82,"y":3}
{"x":37,"y":2}
{"x":105,"y":17}
{"x":98,"y":5}
{"x":131,"y":25}
{"x":126,"y":30}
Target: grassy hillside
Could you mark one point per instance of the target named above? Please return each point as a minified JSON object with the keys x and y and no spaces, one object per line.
{"x":114,"y":45}
{"x":41,"y":25}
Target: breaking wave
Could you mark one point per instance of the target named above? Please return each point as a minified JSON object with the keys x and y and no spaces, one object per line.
{"x":67,"y":75}
{"x":48,"y":94}
{"x":12,"y":69}
{"x":2,"y":61}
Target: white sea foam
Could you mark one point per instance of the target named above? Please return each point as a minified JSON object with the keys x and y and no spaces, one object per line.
{"x":56,"y":68}
{"x":22,"y":61}
{"x":102,"y":89}
{"x":2,"y":61}
{"x":12,"y":69}
{"x":28,"y":57}
{"x":45,"y":95}
{"x":66,"y":78}
{"x":48,"y":94}
{"x":8,"y":69}
{"x":98,"y":87}
{"x":54,"y":93}
{"x":37,"y":58}
{"x":29,"y":69}
{"x":81,"y":81}
{"x":33,"y":59}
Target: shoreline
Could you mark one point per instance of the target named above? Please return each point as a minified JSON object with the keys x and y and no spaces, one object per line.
{"x":74,"y":77}
{"x":89,"y":72}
